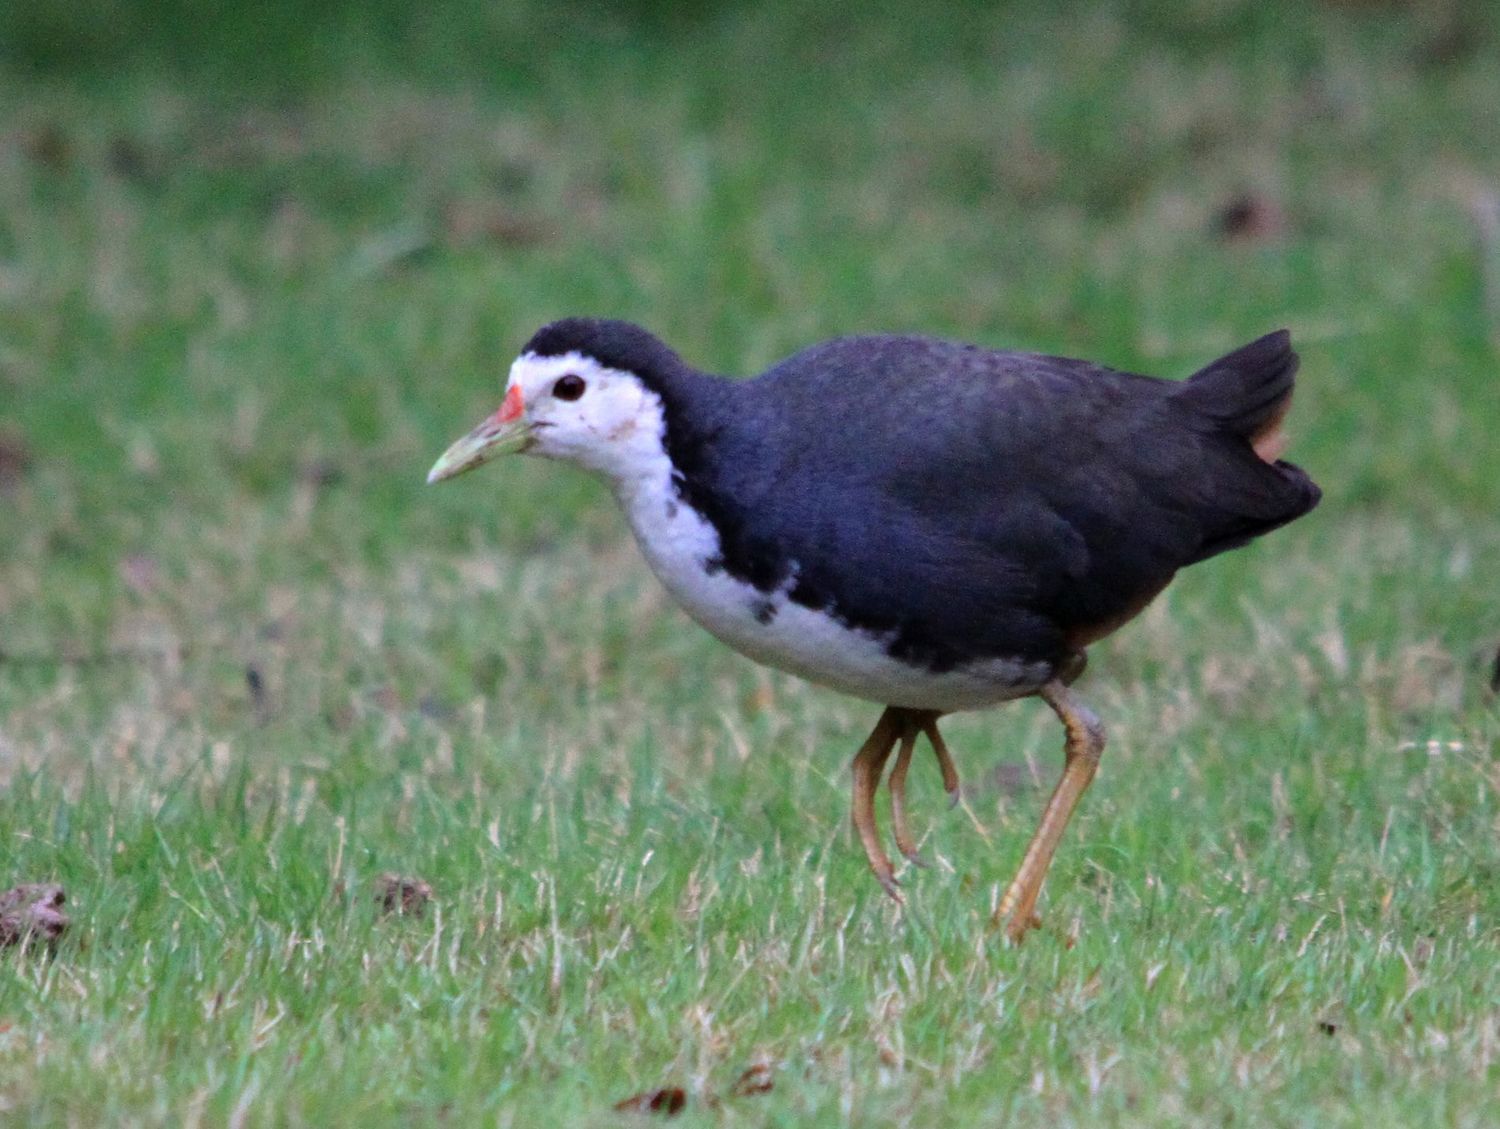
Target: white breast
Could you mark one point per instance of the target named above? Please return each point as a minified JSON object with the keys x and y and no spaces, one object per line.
{"x":678,"y":544}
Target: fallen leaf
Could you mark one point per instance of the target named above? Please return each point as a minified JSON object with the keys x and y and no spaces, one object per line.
{"x":399,"y":894}
{"x":757,"y":1079}
{"x":1251,"y":218}
{"x":668,"y":1102}
{"x":32,"y":909}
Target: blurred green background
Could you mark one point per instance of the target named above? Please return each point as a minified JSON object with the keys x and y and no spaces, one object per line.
{"x":260,"y":263}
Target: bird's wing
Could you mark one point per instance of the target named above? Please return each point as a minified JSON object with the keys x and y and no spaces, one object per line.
{"x":981,"y":503}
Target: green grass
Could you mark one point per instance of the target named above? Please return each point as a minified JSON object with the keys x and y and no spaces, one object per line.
{"x":257,"y":270}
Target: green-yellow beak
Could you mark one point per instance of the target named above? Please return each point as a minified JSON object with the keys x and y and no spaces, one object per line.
{"x":507,"y":432}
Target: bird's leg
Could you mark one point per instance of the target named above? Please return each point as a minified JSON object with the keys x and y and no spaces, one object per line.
{"x":897,"y":784}
{"x":1071,"y":669}
{"x":868,"y":763}
{"x":1084,"y":745}
{"x":945,"y":762}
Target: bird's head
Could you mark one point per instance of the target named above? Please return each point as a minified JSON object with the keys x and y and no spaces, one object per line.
{"x":583,"y":390}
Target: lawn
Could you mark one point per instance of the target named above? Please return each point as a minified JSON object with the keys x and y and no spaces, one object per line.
{"x":258,"y":268}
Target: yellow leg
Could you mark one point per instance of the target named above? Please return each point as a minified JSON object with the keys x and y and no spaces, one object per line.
{"x":1085,"y":743}
{"x":868,"y":763}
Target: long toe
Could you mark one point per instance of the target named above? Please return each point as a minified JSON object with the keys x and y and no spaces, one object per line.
{"x":944,"y":759}
{"x":868,"y":763}
{"x":897,"y":785}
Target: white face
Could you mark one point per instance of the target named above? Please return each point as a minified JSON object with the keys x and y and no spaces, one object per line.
{"x":582,"y":411}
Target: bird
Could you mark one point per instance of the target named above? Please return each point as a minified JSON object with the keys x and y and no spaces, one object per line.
{"x":928,"y":525}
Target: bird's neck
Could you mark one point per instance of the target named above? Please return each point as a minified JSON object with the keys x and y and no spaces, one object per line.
{"x":675,"y":443}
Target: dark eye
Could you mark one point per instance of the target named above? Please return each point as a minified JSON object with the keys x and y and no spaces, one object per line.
{"x":569,"y":387}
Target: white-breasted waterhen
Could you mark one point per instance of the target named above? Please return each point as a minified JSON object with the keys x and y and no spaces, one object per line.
{"x":927,"y":525}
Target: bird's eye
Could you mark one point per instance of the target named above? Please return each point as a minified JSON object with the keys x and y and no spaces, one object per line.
{"x":569,"y":387}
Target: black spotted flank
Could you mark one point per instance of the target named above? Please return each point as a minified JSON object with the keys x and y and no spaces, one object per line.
{"x":764,"y":612}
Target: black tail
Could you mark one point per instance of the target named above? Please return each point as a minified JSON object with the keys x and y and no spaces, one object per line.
{"x":1246,"y":391}
{"x":1246,"y":394}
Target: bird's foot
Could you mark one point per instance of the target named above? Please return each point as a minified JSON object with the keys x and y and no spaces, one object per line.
{"x":1019,"y":925}
{"x":1016,"y":914}
{"x":903,"y":726}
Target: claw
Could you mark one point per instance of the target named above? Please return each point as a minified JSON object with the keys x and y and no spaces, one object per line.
{"x":1018,"y":926}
